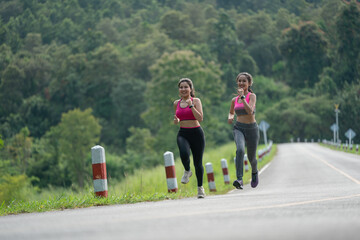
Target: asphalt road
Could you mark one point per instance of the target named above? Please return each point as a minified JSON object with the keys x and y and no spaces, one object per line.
{"x":306,"y":192}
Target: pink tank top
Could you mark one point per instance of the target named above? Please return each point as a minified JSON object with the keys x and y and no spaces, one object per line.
{"x":184,"y":113}
{"x":239,"y":107}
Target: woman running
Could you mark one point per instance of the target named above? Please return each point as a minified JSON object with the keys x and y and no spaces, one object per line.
{"x":189,"y":113}
{"x":245,"y":129}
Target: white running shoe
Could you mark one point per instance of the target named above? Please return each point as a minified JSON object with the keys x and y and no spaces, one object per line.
{"x":201,"y":192}
{"x":185,"y":178}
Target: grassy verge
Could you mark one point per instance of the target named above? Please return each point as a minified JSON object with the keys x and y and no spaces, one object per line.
{"x":143,"y":185}
{"x":353,"y":151}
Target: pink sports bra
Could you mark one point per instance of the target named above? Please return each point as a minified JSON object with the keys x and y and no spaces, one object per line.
{"x":239,"y":107}
{"x":184,"y":113}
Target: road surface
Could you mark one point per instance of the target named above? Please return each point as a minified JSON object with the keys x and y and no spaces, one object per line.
{"x":306,"y":192}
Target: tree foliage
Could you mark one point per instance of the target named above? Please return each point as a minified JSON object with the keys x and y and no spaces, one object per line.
{"x":123,"y":59}
{"x":304,"y":49}
{"x":78,"y":132}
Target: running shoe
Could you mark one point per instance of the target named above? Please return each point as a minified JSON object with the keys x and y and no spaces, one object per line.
{"x":201,"y":192}
{"x":254,"y":179}
{"x":238,"y":184}
{"x":186,"y":177}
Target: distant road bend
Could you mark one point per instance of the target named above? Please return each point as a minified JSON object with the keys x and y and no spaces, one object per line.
{"x":307,"y":192}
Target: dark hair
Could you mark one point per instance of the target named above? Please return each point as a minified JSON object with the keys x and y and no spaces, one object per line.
{"x":248,"y":77}
{"x":188,"y":81}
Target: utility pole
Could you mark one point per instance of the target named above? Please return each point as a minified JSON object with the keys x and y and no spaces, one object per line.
{"x":337,"y":122}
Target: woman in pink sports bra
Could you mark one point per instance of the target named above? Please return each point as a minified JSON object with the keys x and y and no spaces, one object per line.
{"x":245,"y":129}
{"x":189,"y":113}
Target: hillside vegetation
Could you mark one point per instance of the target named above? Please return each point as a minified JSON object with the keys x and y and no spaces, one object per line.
{"x":79,"y":73}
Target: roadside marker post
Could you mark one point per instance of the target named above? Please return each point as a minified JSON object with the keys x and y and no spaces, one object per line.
{"x":350,"y":134}
{"x":210,"y":177}
{"x":246,"y":163}
{"x":99,"y":171}
{"x":170,"y":172}
{"x":225,"y":171}
{"x":261,"y":154}
{"x":357,"y":148}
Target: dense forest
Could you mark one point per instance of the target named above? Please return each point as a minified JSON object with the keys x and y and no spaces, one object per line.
{"x":76,"y":73}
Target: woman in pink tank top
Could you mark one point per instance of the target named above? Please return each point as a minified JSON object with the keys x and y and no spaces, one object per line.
{"x":189,"y":113}
{"x":245,"y":129}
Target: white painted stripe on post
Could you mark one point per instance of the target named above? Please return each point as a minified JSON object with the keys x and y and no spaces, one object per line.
{"x":224,"y":167}
{"x":209,"y":168}
{"x":98,"y":154}
{"x":171,"y":183}
{"x":212,"y":186}
{"x":224,"y":163}
{"x":100,"y":185}
{"x":169,"y":159}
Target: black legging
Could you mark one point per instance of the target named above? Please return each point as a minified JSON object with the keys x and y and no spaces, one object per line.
{"x":194,"y":139}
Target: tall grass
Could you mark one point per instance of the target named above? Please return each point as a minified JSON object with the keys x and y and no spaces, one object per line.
{"x":143,"y":185}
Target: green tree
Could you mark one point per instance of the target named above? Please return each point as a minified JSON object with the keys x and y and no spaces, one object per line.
{"x":67,"y":31}
{"x":327,"y":85}
{"x":303,"y":116}
{"x":304,"y":50}
{"x":13,"y":188}
{"x":79,"y":131}
{"x":348,"y":50}
{"x":349,"y":100}
{"x":66,"y":91}
{"x":19,"y":150}
{"x":140,"y":149}
{"x":5,"y":57}
{"x":229,"y":49}
{"x":178,"y":26}
{"x":251,"y":27}
{"x":36,"y":114}
{"x":11,"y":89}
{"x":10,"y":9}
{"x":128,"y":99}
{"x":162,"y":91}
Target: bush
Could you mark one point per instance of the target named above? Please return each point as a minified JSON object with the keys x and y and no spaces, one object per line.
{"x":14,"y":188}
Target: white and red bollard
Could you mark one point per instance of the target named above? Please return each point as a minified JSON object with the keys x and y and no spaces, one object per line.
{"x":225,"y":171}
{"x":99,"y":171}
{"x":357,"y":148}
{"x":210,"y":177}
{"x":170,"y":172}
{"x":261,"y":154}
{"x":246,"y":163}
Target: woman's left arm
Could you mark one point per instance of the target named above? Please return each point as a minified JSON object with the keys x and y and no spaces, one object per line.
{"x":250,"y":107}
{"x":197,"y":109}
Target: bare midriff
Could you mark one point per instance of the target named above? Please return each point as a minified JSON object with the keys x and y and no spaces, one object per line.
{"x":189,"y":123}
{"x":246,"y":118}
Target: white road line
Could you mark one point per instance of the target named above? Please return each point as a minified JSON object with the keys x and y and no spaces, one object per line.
{"x":263,"y":169}
{"x":336,"y":169}
{"x":232,"y":210}
{"x":260,"y":172}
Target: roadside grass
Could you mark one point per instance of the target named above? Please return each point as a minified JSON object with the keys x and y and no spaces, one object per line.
{"x":341,"y":149}
{"x":143,"y":185}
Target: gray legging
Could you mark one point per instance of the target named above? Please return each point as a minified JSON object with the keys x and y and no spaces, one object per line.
{"x":248,"y":133}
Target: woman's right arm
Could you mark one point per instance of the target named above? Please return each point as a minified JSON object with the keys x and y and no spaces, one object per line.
{"x":231,"y":112}
{"x":176,"y":119}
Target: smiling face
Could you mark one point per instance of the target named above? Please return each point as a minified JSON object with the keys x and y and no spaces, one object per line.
{"x":243,"y":82}
{"x":184,"y":89}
